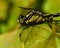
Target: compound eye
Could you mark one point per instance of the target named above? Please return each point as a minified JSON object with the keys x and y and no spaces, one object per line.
{"x":21,"y":19}
{"x":21,"y":16}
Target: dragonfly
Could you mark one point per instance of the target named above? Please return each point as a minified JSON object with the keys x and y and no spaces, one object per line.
{"x":35,"y":16}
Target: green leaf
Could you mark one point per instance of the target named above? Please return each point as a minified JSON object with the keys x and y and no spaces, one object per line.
{"x":35,"y":36}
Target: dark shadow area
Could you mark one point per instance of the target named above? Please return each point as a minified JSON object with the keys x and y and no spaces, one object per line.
{"x":39,"y":4}
{"x":9,"y":9}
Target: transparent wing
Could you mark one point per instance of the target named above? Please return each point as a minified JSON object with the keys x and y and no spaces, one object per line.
{"x":28,"y":8}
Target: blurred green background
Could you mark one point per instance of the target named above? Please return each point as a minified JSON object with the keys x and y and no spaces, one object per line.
{"x":38,"y":36}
